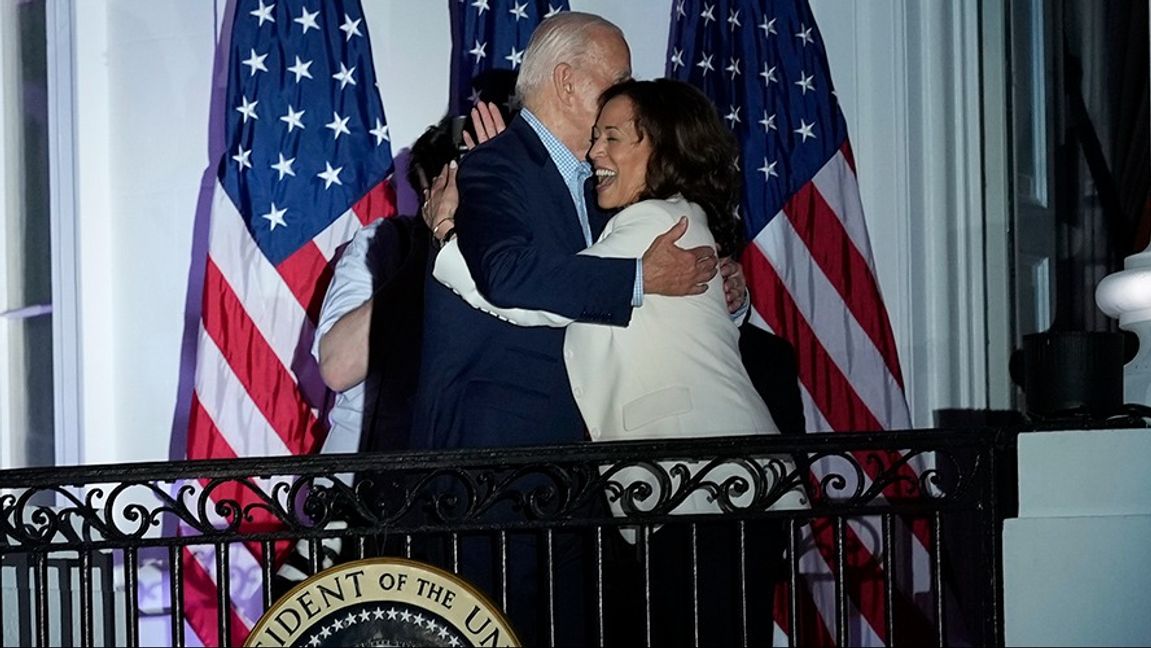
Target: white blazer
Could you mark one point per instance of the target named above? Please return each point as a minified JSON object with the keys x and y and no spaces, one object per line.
{"x":673,"y":372}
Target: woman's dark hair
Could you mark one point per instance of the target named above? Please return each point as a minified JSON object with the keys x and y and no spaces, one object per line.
{"x":441,"y":143}
{"x":692,"y":152}
{"x":431,"y":153}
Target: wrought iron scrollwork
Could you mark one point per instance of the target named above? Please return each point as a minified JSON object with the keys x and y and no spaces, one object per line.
{"x":299,"y":497}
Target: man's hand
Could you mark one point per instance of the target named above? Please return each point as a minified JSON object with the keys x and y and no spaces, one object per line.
{"x":487,"y":122}
{"x":734,"y":283}
{"x":672,"y":271}
{"x":441,"y":199}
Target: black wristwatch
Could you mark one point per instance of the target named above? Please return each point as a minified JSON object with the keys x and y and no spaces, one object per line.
{"x":448,"y":235}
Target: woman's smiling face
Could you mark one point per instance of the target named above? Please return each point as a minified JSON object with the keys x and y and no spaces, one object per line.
{"x":619,"y":155}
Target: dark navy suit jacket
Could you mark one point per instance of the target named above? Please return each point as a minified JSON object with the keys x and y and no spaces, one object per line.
{"x":487,"y":383}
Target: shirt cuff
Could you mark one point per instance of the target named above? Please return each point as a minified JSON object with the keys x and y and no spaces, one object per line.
{"x":745,"y":308}
{"x":637,"y":291}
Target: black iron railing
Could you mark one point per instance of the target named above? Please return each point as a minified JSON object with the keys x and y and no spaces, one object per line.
{"x":90,"y":553}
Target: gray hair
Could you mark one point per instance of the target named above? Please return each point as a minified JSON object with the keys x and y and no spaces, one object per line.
{"x":563,"y":38}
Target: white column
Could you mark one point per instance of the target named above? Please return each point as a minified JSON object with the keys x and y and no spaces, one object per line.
{"x":66,"y":330}
{"x":96,"y":230}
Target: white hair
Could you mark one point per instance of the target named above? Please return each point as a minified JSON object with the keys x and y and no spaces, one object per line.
{"x":563,"y":38}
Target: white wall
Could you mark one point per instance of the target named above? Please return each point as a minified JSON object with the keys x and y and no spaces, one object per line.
{"x":143,"y":71}
{"x":905,"y":72}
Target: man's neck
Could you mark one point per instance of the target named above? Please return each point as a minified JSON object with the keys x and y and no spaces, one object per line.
{"x":575,"y":141}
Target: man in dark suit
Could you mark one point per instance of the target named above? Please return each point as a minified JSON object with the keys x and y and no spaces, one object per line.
{"x":524,"y":214}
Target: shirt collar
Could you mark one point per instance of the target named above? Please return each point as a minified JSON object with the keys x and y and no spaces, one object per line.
{"x":570,"y":167}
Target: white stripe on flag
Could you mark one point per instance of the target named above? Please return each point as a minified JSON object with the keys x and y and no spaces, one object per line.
{"x":837,"y":183}
{"x":268,"y":301}
{"x":845,"y":341}
{"x":757,"y":320}
{"x":339,"y":232}
{"x":231,"y":408}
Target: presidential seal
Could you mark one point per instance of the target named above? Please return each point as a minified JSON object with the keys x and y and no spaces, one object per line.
{"x":383,"y":602}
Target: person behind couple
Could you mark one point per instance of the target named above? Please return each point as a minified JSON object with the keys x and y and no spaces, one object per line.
{"x":368,"y":335}
{"x":660,"y":150}
{"x":380,"y":257}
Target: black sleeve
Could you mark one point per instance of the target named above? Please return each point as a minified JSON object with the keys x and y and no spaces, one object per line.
{"x":771,"y":363}
{"x":398,"y":266}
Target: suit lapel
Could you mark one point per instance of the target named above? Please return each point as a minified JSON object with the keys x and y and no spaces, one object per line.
{"x":597,"y":218}
{"x":560,"y":218}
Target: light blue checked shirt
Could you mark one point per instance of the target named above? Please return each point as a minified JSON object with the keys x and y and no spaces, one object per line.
{"x":575,"y":173}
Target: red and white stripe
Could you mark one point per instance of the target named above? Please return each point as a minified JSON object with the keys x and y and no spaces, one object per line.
{"x":812,"y":279}
{"x":249,"y":400}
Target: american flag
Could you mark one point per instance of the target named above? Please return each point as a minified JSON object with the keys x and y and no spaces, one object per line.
{"x":307,"y":165}
{"x":488,"y":42}
{"x":810,"y":271}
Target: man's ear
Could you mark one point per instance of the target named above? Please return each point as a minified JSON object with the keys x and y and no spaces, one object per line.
{"x":563,"y":82}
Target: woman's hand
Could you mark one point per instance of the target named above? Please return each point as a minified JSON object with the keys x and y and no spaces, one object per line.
{"x":441,"y":199}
